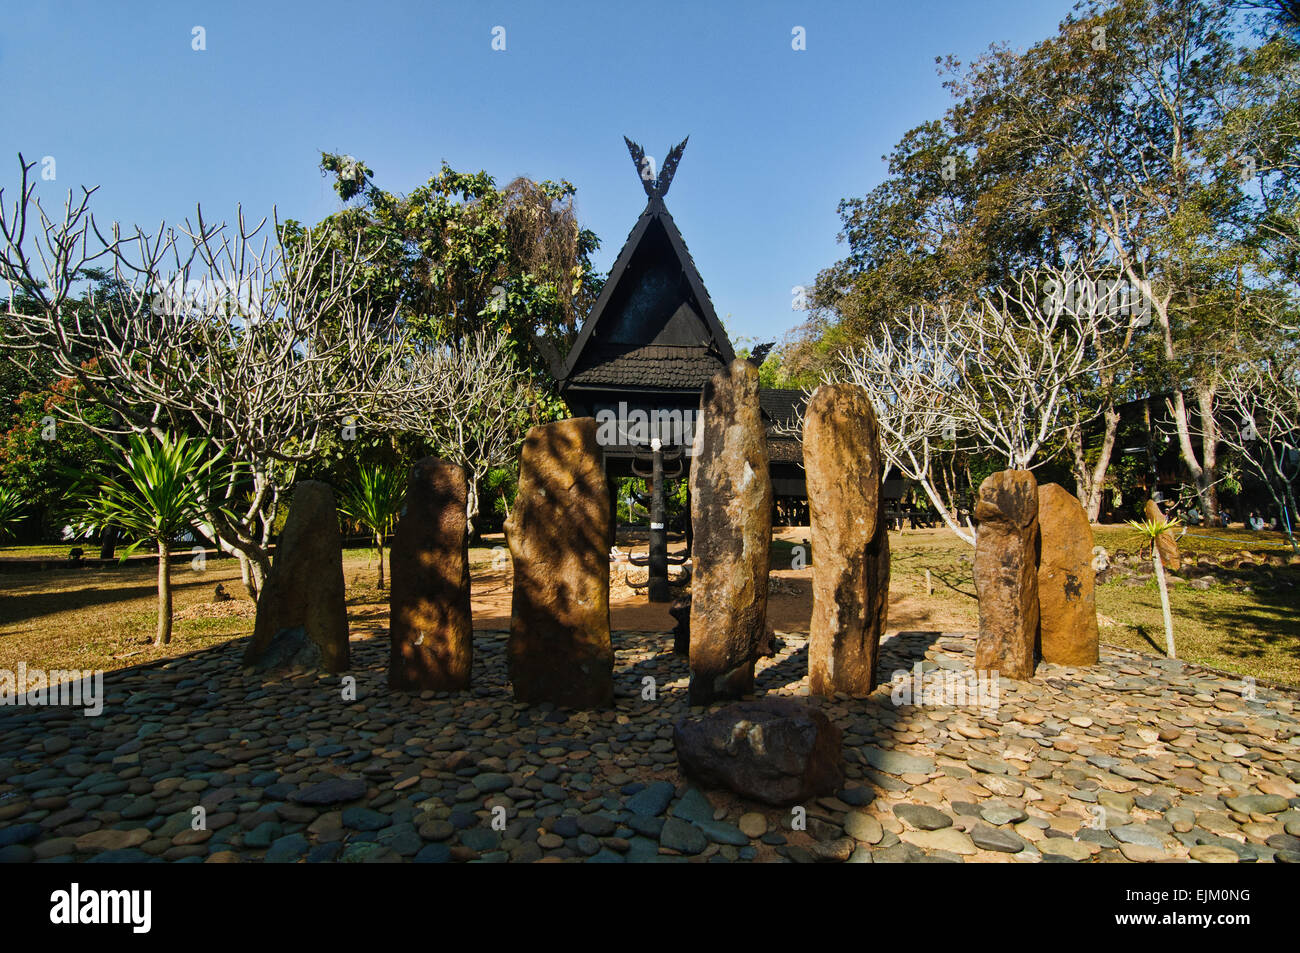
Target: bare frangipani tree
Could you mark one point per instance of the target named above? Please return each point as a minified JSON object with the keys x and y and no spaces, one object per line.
{"x":1103,"y":314}
{"x":908,"y":377}
{"x":263,"y":346}
{"x":1259,"y":406}
{"x":1021,"y":355}
{"x":472,"y":401}
{"x":1010,"y":375}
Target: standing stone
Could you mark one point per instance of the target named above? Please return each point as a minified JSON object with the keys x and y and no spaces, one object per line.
{"x":1006,"y":573}
{"x":731,"y":519}
{"x":430,"y":627}
{"x":559,"y":531}
{"x":1067,"y":599}
{"x":1169,"y":554}
{"x":302,"y":617}
{"x":841,"y":452}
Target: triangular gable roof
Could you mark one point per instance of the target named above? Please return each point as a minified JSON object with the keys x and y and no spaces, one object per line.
{"x":655,"y":211}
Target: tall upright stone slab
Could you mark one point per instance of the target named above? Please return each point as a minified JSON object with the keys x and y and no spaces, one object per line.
{"x":430,"y":628}
{"x":302,"y":617}
{"x":731,"y":522}
{"x":1067,"y":598}
{"x":1006,"y":573}
{"x":559,"y":531}
{"x":1170,"y":557}
{"x":841,"y":453}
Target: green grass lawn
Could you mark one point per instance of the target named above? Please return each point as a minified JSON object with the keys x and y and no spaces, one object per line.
{"x":46,"y":551}
{"x":1248,"y":632}
{"x":1251,"y":633}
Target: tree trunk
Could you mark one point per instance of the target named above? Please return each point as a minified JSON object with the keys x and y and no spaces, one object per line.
{"x":246,"y":575}
{"x":948,"y":516}
{"x":379,"y":548}
{"x":1091,"y":481}
{"x":1164,"y":599}
{"x":164,"y":635}
{"x":1202,"y":470}
{"x":471,"y":508}
{"x":252,"y":572}
{"x":260,"y":570}
{"x":1209,"y":443}
{"x":1287,"y":517}
{"x":252,"y":551}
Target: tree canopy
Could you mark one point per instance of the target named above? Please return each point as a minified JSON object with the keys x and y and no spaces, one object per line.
{"x":1153,"y":143}
{"x":459,"y":255}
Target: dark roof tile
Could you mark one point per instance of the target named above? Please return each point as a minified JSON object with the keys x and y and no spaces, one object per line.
{"x":655,"y":366}
{"x":782,"y":406}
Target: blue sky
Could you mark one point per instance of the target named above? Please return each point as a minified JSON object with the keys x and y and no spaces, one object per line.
{"x":115,"y":93}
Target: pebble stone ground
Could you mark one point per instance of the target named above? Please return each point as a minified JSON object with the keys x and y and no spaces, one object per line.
{"x":1137,"y":759}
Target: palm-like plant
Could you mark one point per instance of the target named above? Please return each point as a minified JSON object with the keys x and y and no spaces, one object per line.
{"x":1152,"y":531}
{"x":11,"y":511}
{"x":155,"y":491}
{"x":374,"y":499}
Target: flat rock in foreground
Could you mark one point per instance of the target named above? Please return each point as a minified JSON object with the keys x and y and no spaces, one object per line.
{"x":293,"y":758}
{"x":774,"y":750}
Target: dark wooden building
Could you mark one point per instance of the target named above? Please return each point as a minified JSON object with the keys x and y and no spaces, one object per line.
{"x":651,"y":342}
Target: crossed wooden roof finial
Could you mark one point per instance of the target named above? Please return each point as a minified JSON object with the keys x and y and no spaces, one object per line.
{"x":656,"y":183}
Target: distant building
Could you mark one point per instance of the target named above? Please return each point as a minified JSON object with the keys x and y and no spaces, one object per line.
{"x":651,"y":342}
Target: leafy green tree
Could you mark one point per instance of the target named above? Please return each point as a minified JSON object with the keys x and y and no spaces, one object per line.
{"x":460,"y":255}
{"x":774,"y":370}
{"x":27,"y":369}
{"x":502,"y":484}
{"x":1284,"y":14}
{"x":463,"y":264}
{"x":1119,"y":112}
{"x":12,"y":509}
{"x":39,"y":441}
{"x":1122,"y":140}
{"x":156,"y":490}
{"x":41,"y":445}
{"x":1260,"y":139}
{"x":676,"y":507}
{"x":375,"y":499}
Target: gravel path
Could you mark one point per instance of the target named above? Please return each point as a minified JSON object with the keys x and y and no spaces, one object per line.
{"x":1137,"y":759}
